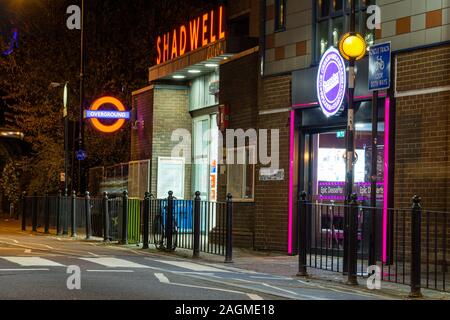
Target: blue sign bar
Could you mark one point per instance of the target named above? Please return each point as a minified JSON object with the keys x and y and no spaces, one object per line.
{"x":380,"y":66}
{"x":104,"y":114}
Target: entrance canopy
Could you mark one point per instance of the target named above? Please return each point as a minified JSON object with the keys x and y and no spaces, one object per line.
{"x":202,"y":60}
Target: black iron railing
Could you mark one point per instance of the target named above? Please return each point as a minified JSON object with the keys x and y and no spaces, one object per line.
{"x":200,"y":226}
{"x":409,"y":246}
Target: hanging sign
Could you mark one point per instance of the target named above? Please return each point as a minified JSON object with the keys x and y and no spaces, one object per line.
{"x":116,"y":117}
{"x":331,"y":82}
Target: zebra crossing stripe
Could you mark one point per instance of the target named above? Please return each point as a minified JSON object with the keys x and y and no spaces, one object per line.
{"x":115,"y":263}
{"x":32,"y":262}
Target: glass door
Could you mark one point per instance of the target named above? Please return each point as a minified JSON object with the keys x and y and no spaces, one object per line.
{"x":205,"y":156}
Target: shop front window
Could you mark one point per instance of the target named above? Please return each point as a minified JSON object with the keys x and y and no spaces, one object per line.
{"x":333,"y":20}
{"x":241,"y":173}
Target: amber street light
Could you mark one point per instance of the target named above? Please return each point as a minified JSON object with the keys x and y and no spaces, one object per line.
{"x":352,"y":46}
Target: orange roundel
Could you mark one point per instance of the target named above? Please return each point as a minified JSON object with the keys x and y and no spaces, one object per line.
{"x":118,"y":124}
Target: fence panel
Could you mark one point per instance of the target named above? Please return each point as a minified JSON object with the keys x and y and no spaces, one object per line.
{"x":134,"y":220}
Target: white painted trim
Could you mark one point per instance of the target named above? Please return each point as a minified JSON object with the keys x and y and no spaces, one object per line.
{"x":281,"y":110}
{"x":421,"y":91}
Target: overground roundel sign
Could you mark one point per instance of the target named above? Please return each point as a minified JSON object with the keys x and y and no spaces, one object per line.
{"x":331,"y":82}
{"x":96,"y":114}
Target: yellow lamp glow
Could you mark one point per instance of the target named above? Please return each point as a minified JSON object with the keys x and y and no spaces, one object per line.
{"x":352,"y":46}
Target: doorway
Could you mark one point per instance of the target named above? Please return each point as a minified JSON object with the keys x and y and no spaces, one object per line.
{"x":322,"y":176}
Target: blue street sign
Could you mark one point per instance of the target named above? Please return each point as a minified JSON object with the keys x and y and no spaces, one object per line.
{"x":380,"y":66}
{"x":81,"y":155}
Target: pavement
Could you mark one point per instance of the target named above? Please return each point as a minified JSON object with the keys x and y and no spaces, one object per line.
{"x":47,"y":267}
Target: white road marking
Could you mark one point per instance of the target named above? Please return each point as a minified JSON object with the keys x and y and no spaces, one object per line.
{"x":111,"y":271}
{"x":162,"y":278}
{"x":14,"y":270}
{"x":192,"y":266}
{"x":254,"y":296}
{"x":280,"y":289}
{"x":270,"y":278}
{"x":93,"y":254}
{"x":115,"y":263}
{"x":32,"y":262}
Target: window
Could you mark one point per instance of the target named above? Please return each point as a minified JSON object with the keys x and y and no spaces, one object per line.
{"x":280,"y":15}
{"x":333,"y":20}
{"x":241,"y":173}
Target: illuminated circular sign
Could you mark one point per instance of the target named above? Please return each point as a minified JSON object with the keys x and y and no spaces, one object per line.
{"x":95,"y":114}
{"x":331,"y":82}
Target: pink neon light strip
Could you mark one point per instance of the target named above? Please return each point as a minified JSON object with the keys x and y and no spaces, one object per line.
{"x":386,"y":176}
{"x":312,"y":104}
{"x":291,"y":181}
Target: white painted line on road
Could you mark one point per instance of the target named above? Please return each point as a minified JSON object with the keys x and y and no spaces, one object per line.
{"x":115,"y":263}
{"x":32,"y":262}
{"x":280,"y":289}
{"x":270,"y":278}
{"x":254,"y":296}
{"x":111,"y":271}
{"x":93,"y":254}
{"x":192,"y":266}
{"x":162,"y":278}
{"x":14,"y":270}
{"x":13,"y":240}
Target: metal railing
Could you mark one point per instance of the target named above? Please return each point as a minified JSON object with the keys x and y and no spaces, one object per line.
{"x":200,"y":226}
{"x":351,"y":238}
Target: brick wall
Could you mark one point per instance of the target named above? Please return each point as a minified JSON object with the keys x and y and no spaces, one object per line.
{"x":410,"y":23}
{"x":290,"y":49}
{"x":141,"y":135}
{"x":238,"y":89}
{"x":422,"y":129}
{"x":272,"y":196}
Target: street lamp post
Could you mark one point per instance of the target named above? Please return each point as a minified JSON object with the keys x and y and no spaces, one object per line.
{"x":352,"y":47}
{"x":81,"y":182}
{"x":66,"y":129}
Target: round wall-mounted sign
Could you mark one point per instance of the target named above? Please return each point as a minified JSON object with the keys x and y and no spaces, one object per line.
{"x":119,"y":115}
{"x":331,"y":82}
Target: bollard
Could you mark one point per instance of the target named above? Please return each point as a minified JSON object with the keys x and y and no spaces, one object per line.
{"x":229,"y":244}
{"x":87,"y":209}
{"x":73,"y":213}
{"x":24,"y":212}
{"x":34,"y":212}
{"x":196,"y":240}
{"x":146,"y":221}
{"x":105,"y":217}
{"x":47,"y":214}
{"x":416,"y":219}
{"x":353,"y":240}
{"x":302,"y":239}
{"x":169,"y":219}
{"x":125,"y":218}
{"x":65,"y":213}
{"x":58,"y":214}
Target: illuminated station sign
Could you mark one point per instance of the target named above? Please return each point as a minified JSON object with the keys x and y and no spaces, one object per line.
{"x":199,"y":32}
{"x":98,"y":115}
